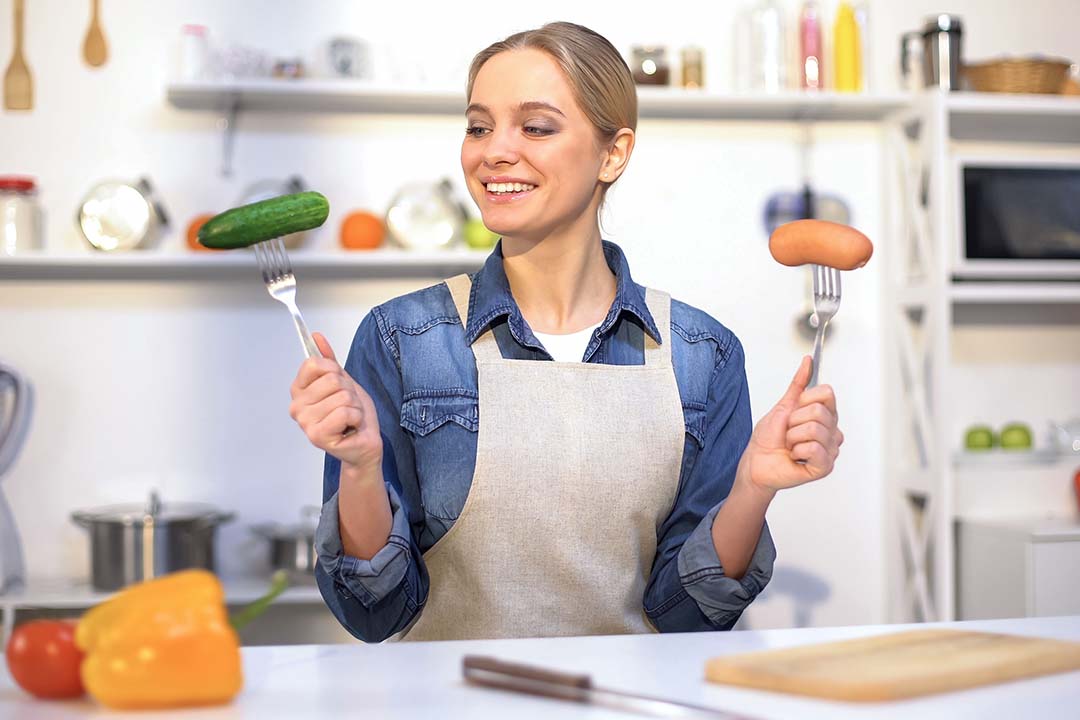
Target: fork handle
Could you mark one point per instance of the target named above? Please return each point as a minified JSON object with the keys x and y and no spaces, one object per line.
{"x":310,"y":348}
{"x":816,"y":364}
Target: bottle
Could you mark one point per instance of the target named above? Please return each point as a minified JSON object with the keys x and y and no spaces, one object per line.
{"x":741,"y":47}
{"x":862,"y":19}
{"x":768,"y":55}
{"x":847,"y":73}
{"x":810,"y":54}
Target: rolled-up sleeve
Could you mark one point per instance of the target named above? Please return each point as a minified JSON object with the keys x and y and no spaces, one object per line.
{"x":688,"y":590}
{"x":372,"y":599}
{"x":720,"y":598}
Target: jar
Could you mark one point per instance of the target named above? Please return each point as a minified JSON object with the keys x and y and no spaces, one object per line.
{"x":20,"y":215}
{"x":693,"y":67}
{"x":649,"y":65}
{"x":194,"y":53}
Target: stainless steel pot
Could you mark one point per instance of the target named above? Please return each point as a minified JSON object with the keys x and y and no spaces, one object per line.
{"x":129,"y":543}
{"x":292,"y":547}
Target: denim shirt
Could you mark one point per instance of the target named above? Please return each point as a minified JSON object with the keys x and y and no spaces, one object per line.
{"x":414,"y":359}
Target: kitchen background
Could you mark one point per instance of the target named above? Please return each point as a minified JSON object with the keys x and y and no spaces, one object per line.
{"x":178,"y":381}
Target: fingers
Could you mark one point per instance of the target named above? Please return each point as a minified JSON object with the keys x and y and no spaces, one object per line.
{"x":819,"y":461}
{"x":324,"y":346}
{"x":823,"y":394}
{"x":813,"y":431}
{"x":311,"y":370}
{"x":814,"y":412}
{"x":328,"y":432}
{"x":321,"y":388}
{"x":798,"y":383}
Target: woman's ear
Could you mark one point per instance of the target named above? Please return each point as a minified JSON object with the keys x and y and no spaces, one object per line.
{"x":618,"y":155}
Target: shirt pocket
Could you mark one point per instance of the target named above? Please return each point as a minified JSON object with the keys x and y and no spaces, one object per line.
{"x":443,"y":426}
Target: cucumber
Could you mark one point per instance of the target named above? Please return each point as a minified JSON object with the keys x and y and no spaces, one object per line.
{"x":264,"y":220}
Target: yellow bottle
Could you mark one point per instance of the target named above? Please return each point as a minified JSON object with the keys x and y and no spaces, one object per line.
{"x":847,"y":63}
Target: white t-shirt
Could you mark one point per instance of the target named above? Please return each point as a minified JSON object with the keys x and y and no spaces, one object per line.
{"x":567,"y":348}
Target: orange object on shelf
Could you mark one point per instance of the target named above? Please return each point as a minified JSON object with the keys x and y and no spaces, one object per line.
{"x":193,"y":233}
{"x":362,"y":230}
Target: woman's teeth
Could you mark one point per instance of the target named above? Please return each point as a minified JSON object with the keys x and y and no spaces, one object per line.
{"x":509,"y":187}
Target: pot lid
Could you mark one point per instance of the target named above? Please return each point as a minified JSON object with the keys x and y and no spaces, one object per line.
{"x":153,"y":511}
{"x":305,"y":529}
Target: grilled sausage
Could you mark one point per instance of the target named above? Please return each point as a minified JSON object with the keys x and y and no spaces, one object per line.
{"x":820,"y":242}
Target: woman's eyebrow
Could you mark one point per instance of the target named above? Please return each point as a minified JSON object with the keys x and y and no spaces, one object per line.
{"x":527,"y":105}
{"x":539,"y":105}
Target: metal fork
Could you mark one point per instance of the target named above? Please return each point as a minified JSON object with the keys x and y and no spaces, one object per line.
{"x":281,"y":284}
{"x":826,"y":303}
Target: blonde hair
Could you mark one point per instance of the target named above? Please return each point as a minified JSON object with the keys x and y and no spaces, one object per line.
{"x":598,"y":75}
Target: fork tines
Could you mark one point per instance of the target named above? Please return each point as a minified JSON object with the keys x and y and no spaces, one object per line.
{"x":273,"y":260}
{"x":826,"y":282}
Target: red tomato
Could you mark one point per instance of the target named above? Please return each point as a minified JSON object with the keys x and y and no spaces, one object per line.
{"x":43,"y":659}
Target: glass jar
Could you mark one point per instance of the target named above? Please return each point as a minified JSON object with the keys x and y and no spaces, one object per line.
{"x":693,"y":67}
{"x":649,"y":65}
{"x":20,"y":216}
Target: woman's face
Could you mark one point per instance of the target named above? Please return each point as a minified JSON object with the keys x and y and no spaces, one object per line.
{"x":531,"y":157}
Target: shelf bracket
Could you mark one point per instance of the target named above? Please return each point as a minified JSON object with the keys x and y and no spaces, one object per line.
{"x":227,"y":124}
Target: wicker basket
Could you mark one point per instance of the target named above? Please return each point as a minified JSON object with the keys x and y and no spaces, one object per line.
{"x":1018,"y":76}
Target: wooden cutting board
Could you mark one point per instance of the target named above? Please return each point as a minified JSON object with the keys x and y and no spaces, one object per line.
{"x":897,"y":665}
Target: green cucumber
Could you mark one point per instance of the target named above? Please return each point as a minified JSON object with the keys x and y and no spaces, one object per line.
{"x":264,"y":220}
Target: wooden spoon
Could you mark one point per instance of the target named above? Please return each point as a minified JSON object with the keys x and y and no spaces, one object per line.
{"x":95,"y":51}
{"x":18,"y":84}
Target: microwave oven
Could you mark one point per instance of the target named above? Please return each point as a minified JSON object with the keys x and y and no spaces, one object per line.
{"x":1017,"y":218}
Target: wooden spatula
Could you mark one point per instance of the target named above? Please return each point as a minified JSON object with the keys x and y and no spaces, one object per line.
{"x":18,"y":84}
{"x":95,"y":51}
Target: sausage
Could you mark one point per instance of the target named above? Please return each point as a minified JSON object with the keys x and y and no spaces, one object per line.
{"x":820,"y":242}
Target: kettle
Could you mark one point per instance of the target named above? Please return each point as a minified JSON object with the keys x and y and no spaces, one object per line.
{"x":15,"y":408}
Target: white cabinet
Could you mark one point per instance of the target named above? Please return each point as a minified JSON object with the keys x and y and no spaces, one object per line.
{"x":1017,"y":567}
{"x":967,"y":350}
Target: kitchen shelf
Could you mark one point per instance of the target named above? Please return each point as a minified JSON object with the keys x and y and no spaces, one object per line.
{"x":997,"y":458}
{"x":1019,"y":118}
{"x":331,"y":95}
{"x":1015,"y":292}
{"x":156,"y":265}
{"x":68,"y":594}
{"x":65,"y":595}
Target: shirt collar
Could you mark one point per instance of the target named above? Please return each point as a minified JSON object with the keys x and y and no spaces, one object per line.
{"x":490,"y":299}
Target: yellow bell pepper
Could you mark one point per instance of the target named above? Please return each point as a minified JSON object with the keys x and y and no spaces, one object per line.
{"x":163,"y":643}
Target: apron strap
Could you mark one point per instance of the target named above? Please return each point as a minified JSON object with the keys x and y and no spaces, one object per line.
{"x":485,"y":347}
{"x":659,"y":304}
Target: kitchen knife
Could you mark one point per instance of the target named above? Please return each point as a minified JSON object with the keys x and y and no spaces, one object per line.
{"x":532,"y":680}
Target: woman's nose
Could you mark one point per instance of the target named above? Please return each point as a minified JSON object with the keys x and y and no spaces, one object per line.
{"x":501,"y":147}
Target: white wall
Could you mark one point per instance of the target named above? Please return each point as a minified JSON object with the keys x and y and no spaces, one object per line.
{"x":183,"y":385}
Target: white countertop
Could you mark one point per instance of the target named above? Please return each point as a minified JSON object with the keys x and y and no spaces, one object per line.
{"x":423,"y":680}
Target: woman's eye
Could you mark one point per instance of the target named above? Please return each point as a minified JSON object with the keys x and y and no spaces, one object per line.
{"x":539,"y":131}
{"x":475,"y":131}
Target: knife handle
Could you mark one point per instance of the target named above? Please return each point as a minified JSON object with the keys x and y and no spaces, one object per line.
{"x":492,"y":672}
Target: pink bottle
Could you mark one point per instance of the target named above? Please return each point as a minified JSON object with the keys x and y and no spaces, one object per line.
{"x":811,"y":72}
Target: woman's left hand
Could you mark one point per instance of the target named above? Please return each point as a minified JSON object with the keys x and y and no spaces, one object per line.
{"x":802,"y":426}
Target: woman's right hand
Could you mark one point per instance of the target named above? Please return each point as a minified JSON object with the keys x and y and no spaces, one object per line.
{"x":326,"y":402}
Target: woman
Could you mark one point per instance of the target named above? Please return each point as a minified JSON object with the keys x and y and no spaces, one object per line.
{"x":490,"y":492}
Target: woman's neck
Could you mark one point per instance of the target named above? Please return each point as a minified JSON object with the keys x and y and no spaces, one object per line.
{"x":562,"y":283}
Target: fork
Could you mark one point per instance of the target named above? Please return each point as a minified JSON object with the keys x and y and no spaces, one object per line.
{"x":281,"y":284}
{"x":826,"y":303}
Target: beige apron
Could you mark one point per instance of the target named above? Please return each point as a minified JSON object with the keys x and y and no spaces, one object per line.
{"x":577,"y":464}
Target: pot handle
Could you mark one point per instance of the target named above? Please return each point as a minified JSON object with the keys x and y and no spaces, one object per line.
{"x":81,"y":518}
{"x":14,"y":433}
{"x":218,"y":518}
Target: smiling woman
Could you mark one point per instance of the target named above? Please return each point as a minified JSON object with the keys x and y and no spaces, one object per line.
{"x":546,"y":447}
